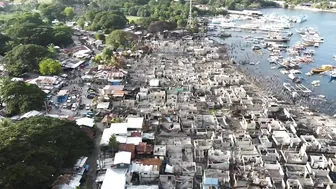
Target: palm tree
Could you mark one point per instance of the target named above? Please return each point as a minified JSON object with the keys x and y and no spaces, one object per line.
{"x":6,"y":123}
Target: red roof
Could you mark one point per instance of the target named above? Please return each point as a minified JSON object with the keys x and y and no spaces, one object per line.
{"x":136,"y":134}
{"x":144,"y":148}
{"x":127,"y":148}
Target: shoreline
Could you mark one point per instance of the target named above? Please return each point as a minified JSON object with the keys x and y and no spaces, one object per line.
{"x":273,"y":86}
{"x":313,"y":9}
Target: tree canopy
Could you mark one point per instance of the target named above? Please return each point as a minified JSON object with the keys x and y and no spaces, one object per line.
{"x":30,"y":29}
{"x":119,"y":38}
{"x":33,"y":151}
{"x":50,"y":67}
{"x":25,"y":58}
{"x":4,"y":44}
{"x":69,"y":12}
{"x":53,"y":11}
{"x":160,"y":26}
{"x":107,"y":21}
{"x":21,"y":97}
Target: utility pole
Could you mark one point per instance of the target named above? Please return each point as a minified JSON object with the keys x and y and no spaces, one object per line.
{"x":190,"y":18}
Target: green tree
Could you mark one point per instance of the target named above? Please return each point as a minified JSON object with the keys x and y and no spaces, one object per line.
{"x":25,"y":58}
{"x":69,"y":13}
{"x":81,"y":22}
{"x":52,"y":11}
{"x":119,"y":38}
{"x":35,"y":150}
{"x":6,"y":122}
{"x":90,"y":15}
{"x":27,"y":97}
{"x":52,"y":49}
{"x":31,"y":33}
{"x":160,"y":26}
{"x":33,"y":18}
{"x":145,"y":22}
{"x":113,"y":143}
{"x":182,"y":23}
{"x":4,"y":44}
{"x":50,"y":67}
{"x":100,"y":36}
{"x":108,"y":21}
{"x":62,"y":36}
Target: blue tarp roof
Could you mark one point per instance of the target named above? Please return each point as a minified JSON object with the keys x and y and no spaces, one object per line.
{"x":211,"y":181}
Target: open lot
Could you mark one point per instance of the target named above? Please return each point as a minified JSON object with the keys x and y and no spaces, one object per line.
{"x":133,"y":18}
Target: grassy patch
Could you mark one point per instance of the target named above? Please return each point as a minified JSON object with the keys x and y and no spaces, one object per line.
{"x":133,"y":18}
{"x":45,"y":1}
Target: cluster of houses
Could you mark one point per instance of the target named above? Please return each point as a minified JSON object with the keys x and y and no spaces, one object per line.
{"x":189,"y":120}
{"x":184,"y":117}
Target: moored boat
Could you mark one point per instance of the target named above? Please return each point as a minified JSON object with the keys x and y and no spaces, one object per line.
{"x":332,"y":76}
{"x":277,"y":39}
{"x":323,"y":69}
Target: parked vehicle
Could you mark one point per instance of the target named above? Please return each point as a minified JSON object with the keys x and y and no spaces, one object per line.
{"x":89,"y":114}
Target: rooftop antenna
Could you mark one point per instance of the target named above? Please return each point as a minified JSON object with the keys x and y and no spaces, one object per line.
{"x":190,"y":18}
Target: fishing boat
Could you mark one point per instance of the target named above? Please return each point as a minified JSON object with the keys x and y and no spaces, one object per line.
{"x":301,"y":30}
{"x":323,"y":69}
{"x":332,"y":76}
{"x":256,"y":47}
{"x":316,"y":83}
{"x":308,"y":73}
{"x":277,"y":39}
{"x":317,"y":70}
{"x":301,"y":19}
{"x":309,"y":52}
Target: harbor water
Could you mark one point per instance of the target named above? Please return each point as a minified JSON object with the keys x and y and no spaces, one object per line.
{"x":324,"y":23}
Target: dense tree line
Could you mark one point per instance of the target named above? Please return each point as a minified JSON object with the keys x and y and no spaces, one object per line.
{"x":21,"y":97}
{"x":25,"y":58}
{"x":106,"y":20}
{"x":25,"y":38}
{"x":30,"y":29}
{"x":34,"y":151}
{"x":240,"y":4}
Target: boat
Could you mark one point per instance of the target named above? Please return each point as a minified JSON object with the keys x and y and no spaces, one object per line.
{"x":295,"y":71}
{"x":284,"y":72}
{"x":301,"y":30}
{"x":317,"y":70}
{"x":301,"y":19}
{"x":332,"y":76}
{"x":308,"y":73}
{"x":322,"y":96}
{"x":316,"y":44}
{"x":316,"y":83}
{"x":277,"y":39}
{"x":323,"y":69}
{"x":225,"y":35}
{"x":256,"y":47}
{"x":309,"y":52}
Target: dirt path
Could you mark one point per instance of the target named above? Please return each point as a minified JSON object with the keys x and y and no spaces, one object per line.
{"x":92,"y":161}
